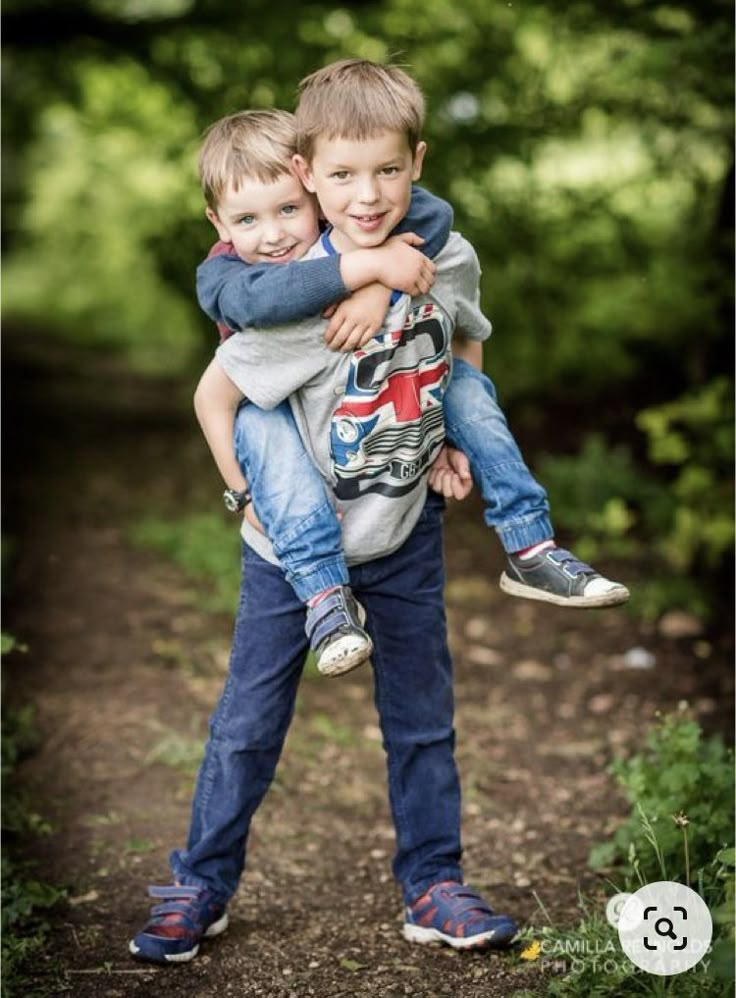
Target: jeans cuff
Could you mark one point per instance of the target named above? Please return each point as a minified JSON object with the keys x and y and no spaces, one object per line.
{"x":187,"y":879}
{"x":520,"y":535}
{"x":311,"y":581}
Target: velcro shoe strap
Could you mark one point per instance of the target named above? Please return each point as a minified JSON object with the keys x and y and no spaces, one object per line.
{"x":174,"y":892}
{"x":174,"y":908}
{"x":466,"y":899}
{"x":569,"y":563}
{"x":329,"y":614}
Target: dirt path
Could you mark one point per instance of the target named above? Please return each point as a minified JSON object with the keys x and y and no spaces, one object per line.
{"x":125,"y":670}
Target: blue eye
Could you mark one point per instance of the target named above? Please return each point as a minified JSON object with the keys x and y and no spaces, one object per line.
{"x":339,"y":175}
{"x":247,"y":220}
{"x":289,"y":209}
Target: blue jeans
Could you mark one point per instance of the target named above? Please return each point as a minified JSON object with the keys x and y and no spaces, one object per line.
{"x":290,"y":499}
{"x":403,"y":594}
{"x":515,"y":503}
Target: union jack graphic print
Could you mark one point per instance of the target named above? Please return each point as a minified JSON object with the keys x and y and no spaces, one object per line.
{"x":390,"y":425}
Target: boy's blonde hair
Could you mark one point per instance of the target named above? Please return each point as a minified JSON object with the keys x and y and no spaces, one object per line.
{"x":357,"y":99}
{"x":250,"y":144}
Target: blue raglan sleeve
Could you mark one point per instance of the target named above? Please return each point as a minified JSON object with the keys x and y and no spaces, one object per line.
{"x":239,"y":294}
{"x":429,"y":217}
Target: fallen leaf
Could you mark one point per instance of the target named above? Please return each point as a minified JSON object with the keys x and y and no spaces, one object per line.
{"x":347,"y":964}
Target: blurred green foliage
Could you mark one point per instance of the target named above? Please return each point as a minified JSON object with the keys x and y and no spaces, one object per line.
{"x":205,"y":546}
{"x":587,"y":150}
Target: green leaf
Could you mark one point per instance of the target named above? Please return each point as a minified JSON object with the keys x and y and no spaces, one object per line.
{"x":352,"y":965}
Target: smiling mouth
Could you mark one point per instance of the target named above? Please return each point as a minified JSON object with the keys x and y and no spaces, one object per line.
{"x":278,"y":254}
{"x":370,"y":223}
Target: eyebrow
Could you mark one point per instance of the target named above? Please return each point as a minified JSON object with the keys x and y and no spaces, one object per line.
{"x":395,"y":161}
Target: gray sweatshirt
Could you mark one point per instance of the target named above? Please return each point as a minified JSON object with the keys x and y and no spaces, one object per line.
{"x":371,"y":420}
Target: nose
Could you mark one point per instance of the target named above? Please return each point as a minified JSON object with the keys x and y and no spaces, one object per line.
{"x":368,"y":192}
{"x":273,"y":232}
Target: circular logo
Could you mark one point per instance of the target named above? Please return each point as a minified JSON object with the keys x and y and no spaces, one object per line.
{"x":614,"y":908}
{"x":346,"y":431}
{"x":665,"y":928}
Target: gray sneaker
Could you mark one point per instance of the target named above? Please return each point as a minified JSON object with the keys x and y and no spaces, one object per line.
{"x":556,"y":576}
{"x":336,"y":635}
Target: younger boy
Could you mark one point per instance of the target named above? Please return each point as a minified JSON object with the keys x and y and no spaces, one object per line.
{"x":364,"y":122}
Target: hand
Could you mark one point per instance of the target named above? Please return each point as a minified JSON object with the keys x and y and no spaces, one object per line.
{"x":357,"y":319}
{"x":402,"y":267}
{"x":250,"y":516}
{"x":450,"y":474}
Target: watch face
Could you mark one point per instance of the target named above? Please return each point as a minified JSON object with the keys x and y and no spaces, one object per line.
{"x":233,"y":500}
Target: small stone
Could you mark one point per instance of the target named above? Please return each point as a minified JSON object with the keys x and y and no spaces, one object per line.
{"x":532,"y":670}
{"x":601,"y":703}
{"x":476,"y":628}
{"x":480,"y":655}
{"x":679,"y":624}
{"x":639,"y":658}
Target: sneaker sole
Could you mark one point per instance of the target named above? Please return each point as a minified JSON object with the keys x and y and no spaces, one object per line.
{"x":215,"y":929}
{"x":344,"y":655}
{"x":484,"y":940}
{"x":613,"y":598}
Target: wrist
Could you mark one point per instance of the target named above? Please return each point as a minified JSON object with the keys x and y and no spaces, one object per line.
{"x":359,"y":267}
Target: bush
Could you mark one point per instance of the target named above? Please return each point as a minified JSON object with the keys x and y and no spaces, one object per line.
{"x":676,"y":514}
{"x":679,"y":773}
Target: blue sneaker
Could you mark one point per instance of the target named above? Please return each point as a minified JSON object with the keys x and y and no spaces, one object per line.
{"x":175,"y":928}
{"x":457,"y":915}
{"x":336,"y":634}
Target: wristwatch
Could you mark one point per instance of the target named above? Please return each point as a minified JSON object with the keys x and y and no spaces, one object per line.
{"x":235,"y":501}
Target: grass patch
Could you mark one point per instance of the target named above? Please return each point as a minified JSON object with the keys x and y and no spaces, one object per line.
{"x":26,"y":900}
{"x":180,"y":752}
{"x":680,"y":828}
{"x":206,"y":546}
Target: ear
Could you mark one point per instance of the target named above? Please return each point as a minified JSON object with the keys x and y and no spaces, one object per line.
{"x":304,"y":172}
{"x":416,"y":171}
{"x":221,"y":230}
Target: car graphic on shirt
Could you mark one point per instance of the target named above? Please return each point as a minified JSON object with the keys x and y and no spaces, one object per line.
{"x":389,"y":425}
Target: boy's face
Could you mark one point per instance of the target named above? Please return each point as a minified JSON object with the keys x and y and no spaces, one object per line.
{"x":363,"y":185}
{"x":267,"y":222}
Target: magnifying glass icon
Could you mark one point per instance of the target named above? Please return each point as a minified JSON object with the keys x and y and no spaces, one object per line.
{"x":670,"y":933}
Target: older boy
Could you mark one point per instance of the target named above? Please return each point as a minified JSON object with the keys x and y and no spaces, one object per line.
{"x":372,"y":422}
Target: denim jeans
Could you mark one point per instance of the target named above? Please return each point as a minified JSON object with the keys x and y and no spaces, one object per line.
{"x":515,"y":504}
{"x":290,"y":499}
{"x":403,"y":595}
